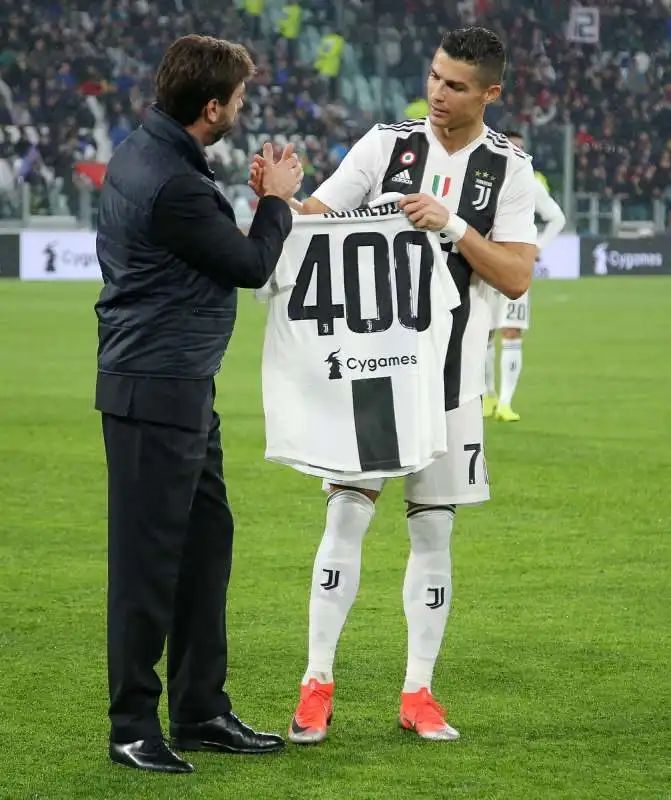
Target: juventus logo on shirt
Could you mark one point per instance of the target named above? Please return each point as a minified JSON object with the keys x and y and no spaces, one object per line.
{"x":483,"y":184}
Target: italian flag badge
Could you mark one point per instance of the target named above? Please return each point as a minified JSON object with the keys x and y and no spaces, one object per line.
{"x":441,"y":185}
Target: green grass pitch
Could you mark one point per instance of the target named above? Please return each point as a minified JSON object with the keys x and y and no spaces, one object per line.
{"x":556,"y":661}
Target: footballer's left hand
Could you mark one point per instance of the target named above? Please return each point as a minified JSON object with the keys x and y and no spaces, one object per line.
{"x":424,"y":212}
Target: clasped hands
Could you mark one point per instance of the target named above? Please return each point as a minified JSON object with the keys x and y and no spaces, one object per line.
{"x":424,"y":211}
{"x":281,"y":178}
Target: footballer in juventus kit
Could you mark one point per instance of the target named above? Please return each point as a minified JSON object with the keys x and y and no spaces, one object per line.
{"x":511,"y":317}
{"x":476,"y":189}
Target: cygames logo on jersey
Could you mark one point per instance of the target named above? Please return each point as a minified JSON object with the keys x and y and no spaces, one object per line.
{"x":373,"y":364}
{"x":335,"y":372}
{"x":365,"y":364}
{"x":483,"y":183}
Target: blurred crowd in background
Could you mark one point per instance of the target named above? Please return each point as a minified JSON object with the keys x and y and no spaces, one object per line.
{"x":76,"y":79}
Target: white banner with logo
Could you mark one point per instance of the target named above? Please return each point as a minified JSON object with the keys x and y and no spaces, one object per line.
{"x":648,"y":255}
{"x":560,"y":259}
{"x":59,"y":256}
{"x":71,"y":256}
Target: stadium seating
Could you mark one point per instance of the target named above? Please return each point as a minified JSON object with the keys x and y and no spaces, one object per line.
{"x":66,"y":103}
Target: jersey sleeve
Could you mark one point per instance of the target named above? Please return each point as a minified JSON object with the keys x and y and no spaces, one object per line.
{"x":264,"y":294}
{"x":550,"y":213}
{"x":514,"y":220}
{"x":356,"y":177}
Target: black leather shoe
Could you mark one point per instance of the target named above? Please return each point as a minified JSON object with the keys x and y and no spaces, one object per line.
{"x":225,"y":734}
{"x":150,"y":754}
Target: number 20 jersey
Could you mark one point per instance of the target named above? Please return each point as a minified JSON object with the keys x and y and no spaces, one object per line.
{"x":356,"y":338}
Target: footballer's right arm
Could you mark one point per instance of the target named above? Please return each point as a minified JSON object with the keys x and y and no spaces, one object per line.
{"x":353,"y":181}
{"x":310,"y":206}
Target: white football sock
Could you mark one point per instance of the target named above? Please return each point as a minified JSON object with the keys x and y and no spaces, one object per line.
{"x":335,"y":578}
{"x":490,"y":367}
{"x":511,"y":367}
{"x":427,"y":591}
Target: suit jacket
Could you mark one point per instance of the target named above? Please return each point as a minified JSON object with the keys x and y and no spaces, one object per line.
{"x":172,"y":258}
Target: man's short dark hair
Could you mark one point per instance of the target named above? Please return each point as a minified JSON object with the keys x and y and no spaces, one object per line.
{"x":197,"y":69}
{"x":480,"y":47}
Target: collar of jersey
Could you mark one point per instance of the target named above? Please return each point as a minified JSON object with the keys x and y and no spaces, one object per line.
{"x":467,"y":149}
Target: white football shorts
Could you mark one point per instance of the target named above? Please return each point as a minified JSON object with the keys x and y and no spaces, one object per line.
{"x":457,"y":478}
{"x":509,"y":313}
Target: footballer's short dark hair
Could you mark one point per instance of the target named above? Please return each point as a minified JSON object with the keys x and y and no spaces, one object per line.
{"x":480,"y":47}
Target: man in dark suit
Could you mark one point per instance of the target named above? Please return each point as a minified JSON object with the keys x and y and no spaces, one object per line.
{"x":171,"y":257}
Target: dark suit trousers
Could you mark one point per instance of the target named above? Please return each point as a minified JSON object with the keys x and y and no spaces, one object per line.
{"x":170,"y":536}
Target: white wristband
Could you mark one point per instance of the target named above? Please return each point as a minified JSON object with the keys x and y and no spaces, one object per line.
{"x":456,"y":228}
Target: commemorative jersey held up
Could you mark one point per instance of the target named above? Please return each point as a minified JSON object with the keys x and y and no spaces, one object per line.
{"x":489,"y":183}
{"x":356,"y":337}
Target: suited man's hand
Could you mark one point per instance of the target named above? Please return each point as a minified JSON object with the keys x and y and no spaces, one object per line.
{"x":256,"y":175}
{"x":280,"y":178}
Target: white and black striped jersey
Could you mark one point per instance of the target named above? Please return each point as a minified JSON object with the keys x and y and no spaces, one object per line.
{"x":356,"y":337}
{"x":490,"y":183}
